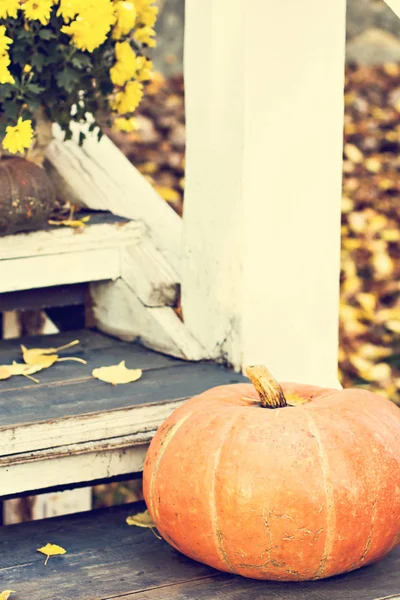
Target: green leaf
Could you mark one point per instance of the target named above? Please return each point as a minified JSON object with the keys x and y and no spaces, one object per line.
{"x":67,"y":79}
{"x":11,"y":109}
{"x":34,"y":88}
{"x":81,"y":61}
{"x":6,"y":90}
{"x":46,"y":34}
{"x":37,"y":61}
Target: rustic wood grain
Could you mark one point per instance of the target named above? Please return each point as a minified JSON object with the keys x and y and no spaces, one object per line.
{"x":71,"y":427}
{"x":88,"y":338}
{"x":106,"y":559}
{"x":66,"y":391}
{"x":66,"y":371}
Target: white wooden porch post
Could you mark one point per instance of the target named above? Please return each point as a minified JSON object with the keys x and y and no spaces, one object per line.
{"x":264,"y":105}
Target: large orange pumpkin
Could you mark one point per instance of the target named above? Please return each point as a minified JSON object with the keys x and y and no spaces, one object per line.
{"x":298,"y":492}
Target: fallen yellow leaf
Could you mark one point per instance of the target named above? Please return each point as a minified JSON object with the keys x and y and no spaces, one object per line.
{"x":373,"y":165}
{"x":368,"y":303}
{"x":168,"y":193}
{"x":294,"y":400}
{"x":7,"y":371}
{"x":45,"y":358}
{"x":353,"y":153}
{"x":117,"y":374}
{"x":30,"y":354}
{"x":75,"y":223}
{"x":6,"y":594}
{"x":143,"y":519}
{"x":393,"y":325}
{"x":51,"y":550}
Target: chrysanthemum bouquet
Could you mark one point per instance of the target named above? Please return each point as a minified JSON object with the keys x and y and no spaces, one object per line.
{"x":80,"y":60}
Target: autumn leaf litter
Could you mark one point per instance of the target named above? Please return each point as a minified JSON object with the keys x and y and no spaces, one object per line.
{"x":38,"y":359}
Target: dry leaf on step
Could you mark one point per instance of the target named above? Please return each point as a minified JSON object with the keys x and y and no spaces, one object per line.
{"x":7,"y":371}
{"x":45,"y":357}
{"x":30,"y":354}
{"x":51,"y":550}
{"x":6,"y":594}
{"x":143,"y":519}
{"x":43,"y":360}
{"x":117,"y":374}
{"x":74,"y":223}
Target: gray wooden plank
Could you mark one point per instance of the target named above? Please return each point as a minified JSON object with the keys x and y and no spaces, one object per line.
{"x":136,"y":357}
{"x":348,"y":587}
{"x":89,"y":340}
{"x":47,"y":401}
{"x":106,"y":559}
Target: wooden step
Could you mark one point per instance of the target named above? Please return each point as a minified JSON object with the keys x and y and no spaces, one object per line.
{"x":71,"y":428}
{"x":107,"y":559}
{"x":62,"y":255}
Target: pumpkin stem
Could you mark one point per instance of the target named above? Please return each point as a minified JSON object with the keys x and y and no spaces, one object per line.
{"x":269,"y":390}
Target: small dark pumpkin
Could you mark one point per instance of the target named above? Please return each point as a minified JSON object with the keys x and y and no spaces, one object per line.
{"x":27,"y":196}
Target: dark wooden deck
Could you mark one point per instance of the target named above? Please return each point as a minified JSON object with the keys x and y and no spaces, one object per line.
{"x":71,"y":417}
{"x":107,"y":559}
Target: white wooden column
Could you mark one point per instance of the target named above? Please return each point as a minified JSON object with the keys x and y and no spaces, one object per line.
{"x":394,"y":5}
{"x":264,"y":107}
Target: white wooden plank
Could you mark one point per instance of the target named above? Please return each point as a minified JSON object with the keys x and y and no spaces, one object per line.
{"x":145,"y":270}
{"x":73,"y":464}
{"x":45,"y":271}
{"x":93,"y":428}
{"x":119,"y":312}
{"x":394,"y":5}
{"x":65,"y":240}
{"x":99,"y":252}
{"x":264,"y":111}
{"x":101,"y":177}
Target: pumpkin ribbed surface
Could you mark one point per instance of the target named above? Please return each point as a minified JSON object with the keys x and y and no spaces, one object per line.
{"x":300,"y":492}
{"x":27,"y":196}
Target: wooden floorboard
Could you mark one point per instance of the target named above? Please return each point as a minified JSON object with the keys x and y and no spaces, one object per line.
{"x":68,"y":388}
{"x":88,"y":338}
{"x":106,"y":559}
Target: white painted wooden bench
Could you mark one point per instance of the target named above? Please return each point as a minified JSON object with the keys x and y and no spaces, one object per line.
{"x":255,"y":259}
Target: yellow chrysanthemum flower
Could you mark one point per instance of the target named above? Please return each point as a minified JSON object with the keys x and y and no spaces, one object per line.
{"x":125,"y":67}
{"x":5,"y":75}
{"x":144,"y":69}
{"x":126,"y":125}
{"x":38,"y":10}
{"x":125,"y":13}
{"x":19,"y":137}
{"x":69,"y":9}
{"x":5,"y":41}
{"x":27,"y":69}
{"x":146,"y":12}
{"x":9,"y":8}
{"x":92,"y":24}
{"x":145,"y":35}
{"x":129,"y":99}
